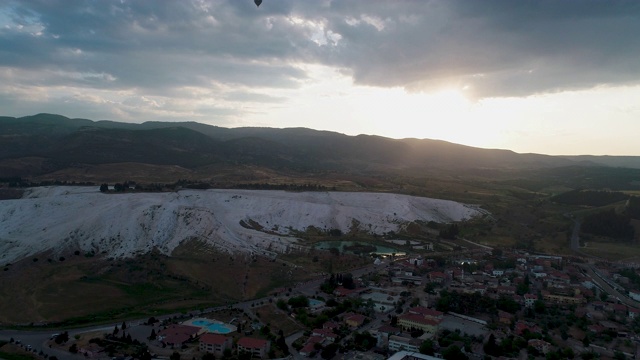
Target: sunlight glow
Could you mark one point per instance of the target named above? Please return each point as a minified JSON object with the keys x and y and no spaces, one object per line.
{"x":328,"y":100}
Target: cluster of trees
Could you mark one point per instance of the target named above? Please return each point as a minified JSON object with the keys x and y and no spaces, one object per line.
{"x":608,"y":223}
{"x":288,"y":187}
{"x":633,"y":207}
{"x":451,"y":231}
{"x":330,"y":284}
{"x":632,"y":275}
{"x":298,"y":302}
{"x":590,"y":197}
{"x":448,"y":348}
{"x":510,"y":346}
{"x":62,"y":338}
{"x":120,"y":341}
{"x":17,"y":181}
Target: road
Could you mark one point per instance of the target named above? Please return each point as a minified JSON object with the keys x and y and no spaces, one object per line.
{"x":590,"y":271}
{"x":38,"y":339}
{"x":575,"y":237}
{"x":607,"y":288}
{"x":289,"y":340}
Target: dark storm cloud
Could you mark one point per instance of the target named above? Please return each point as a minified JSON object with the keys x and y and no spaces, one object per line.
{"x":154,"y":44}
{"x":494,"y":47}
{"x":497,"y":48}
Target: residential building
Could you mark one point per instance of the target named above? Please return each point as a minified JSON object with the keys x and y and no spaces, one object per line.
{"x":540,"y":345}
{"x":398,"y":342}
{"x":176,"y":335}
{"x":410,"y":355}
{"x":529,"y":300}
{"x":415,"y":321}
{"x":257,"y":347}
{"x":355,"y":321}
{"x":215,"y":343}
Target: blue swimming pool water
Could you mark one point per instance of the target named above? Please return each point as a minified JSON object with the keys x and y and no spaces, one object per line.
{"x":214,"y":327}
{"x":315,"y":303}
{"x":218,"y":328}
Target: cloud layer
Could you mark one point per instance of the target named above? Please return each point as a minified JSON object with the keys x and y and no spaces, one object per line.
{"x":171,"y":59}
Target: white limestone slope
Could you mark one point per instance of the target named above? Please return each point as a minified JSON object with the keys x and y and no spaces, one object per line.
{"x":123,"y":225}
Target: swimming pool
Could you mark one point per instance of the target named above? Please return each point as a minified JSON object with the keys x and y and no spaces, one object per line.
{"x":314,"y":303}
{"x":213,"y":326}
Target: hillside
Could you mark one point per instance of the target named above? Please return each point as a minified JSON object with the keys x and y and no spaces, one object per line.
{"x":69,"y":219}
{"x":45,"y":143}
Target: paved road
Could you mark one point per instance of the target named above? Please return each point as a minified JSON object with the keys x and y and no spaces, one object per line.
{"x":607,"y":288}
{"x":290,"y":340}
{"x":575,"y":237}
{"x":38,"y":339}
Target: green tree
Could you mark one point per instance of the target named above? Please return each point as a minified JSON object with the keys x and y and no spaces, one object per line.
{"x":62,"y":338}
{"x":618,"y":355}
{"x":298,"y":302}
{"x":282,"y":305}
{"x":175,"y":356}
{"x":453,"y":352}
{"x":427,"y":347}
{"x":329,"y":351}
{"x":491,"y":347}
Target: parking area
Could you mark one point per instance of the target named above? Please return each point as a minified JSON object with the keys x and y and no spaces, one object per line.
{"x":465,"y":326}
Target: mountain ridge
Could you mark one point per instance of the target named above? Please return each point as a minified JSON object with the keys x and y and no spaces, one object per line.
{"x":64,"y":142}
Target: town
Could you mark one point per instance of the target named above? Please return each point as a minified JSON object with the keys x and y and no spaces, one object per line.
{"x":490,"y":304}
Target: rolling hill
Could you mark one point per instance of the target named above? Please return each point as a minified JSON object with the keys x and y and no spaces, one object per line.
{"x":59,"y":142}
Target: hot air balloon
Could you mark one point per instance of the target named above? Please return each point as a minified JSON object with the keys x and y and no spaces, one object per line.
{"x":258,"y":2}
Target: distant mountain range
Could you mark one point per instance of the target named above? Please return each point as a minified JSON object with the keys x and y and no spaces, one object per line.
{"x":60,"y":142}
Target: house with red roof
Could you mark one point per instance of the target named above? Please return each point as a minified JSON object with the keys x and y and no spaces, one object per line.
{"x":426,"y":312}
{"x":355,"y":321}
{"x":176,"y":335}
{"x":215,"y":344}
{"x":437,"y":277}
{"x":310,"y":346}
{"x":540,"y":345}
{"x":342,"y":291}
{"x":505,"y":317}
{"x":325,"y":334}
{"x":330,"y":325}
{"x":521,"y":326}
{"x":410,"y":321}
{"x":256,"y":347}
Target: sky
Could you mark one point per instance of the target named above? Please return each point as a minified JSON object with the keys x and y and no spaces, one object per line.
{"x":546,"y":76}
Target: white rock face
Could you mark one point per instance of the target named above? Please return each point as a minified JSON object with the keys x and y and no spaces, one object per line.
{"x":124,"y":225}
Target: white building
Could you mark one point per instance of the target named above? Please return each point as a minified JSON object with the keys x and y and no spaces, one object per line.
{"x":397,"y":343}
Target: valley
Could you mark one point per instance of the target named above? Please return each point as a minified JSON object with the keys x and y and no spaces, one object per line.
{"x":219,"y":219}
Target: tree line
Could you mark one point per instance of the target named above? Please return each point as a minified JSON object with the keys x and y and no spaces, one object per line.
{"x":590,"y":197}
{"x":608,"y":223}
